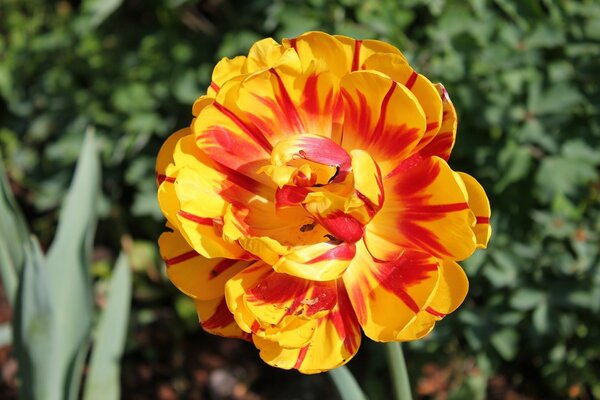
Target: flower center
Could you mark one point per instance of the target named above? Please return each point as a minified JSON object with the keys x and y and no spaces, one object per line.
{"x":341,"y":192}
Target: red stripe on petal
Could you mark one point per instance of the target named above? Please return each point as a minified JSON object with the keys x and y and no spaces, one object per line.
{"x":214,"y":86}
{"x":286,"y":103}
{"x":195,"y":218}
{"x":301,"y":357}
{"x":411,"y":80}
{"x":435,"y":313}
{"x":293,"y":44}
{"x":255,"y":326}
{"x":434,"y":209}
{"x":257,"y":136}
{"x":164,"y":178}
{"x":221,"y":267}
{"x":483,"y":220}
{"x":431,"y":126}
{"x":221,"y":317}
{"x":345,"y":251}
{"x":322,"y":297}
{"x":344,"y":320}
{"x":356,"y":56}
{"x":181,"y":258}
{"x":407,"y":270}
{"x":310,"y":96}
{"x":378,"y":131}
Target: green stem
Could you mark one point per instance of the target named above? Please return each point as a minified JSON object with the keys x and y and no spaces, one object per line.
{"x":346,"y":384}
{"x":398,"y":371}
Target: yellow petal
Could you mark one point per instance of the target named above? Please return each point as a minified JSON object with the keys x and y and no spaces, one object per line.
{"x":165,"y":155}
{"x":225,"y":70}
{"x":319,"y":262}
{"x":335,"y":341}
{"x":397,"y":68}
{"x":358,"y":50}
{"x":442,"y":143}
{"x":215,"y":318}
{"x":425,"y":210}
{"x":480,"y":205}
{"x":372,"y":121}
{"x":313,"y":46}
{"x":198,"y":277}
{"x":263,"y":54}
{"x":404,"y":285}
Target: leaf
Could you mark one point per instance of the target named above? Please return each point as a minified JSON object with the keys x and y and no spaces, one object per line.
{"x":526,"y":299}
{"x":100,"y":10}
{"x":34,"y":325}
{"x":55,"y":301}
{"x":505,"y":342}
{"x":14,"y":237}
{"x":103,"y":381}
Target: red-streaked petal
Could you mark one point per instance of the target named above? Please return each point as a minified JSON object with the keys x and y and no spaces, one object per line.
{"x":216,"y":318}
{"x":198,"y":277}
{"x":335,"y":341}
{"x":480,"y":205}
{"x":397,"y":68}
{"x":165,"y":155}
{"x":359,"y":50}
{"x":404,"y":285}
{"x":315,"y":47}
{"x":441,"y":145}
{"x":425,"y":210}
{"x":368,"y":184}
{"x":224,"y":70}
{"x":380,"y":117}
{"x":319,"y":262}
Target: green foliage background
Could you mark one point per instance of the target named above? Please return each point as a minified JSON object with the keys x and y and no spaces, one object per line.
{"x":523,"y":75}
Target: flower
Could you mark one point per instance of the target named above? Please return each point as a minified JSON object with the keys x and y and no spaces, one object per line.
{"x":311,"y":198}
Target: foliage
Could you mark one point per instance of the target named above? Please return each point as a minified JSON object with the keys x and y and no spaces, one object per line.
{"x":53,"y":302}
{"x":523,"y":75}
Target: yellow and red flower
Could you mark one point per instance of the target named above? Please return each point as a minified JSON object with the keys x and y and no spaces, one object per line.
{"x":311,"y":198}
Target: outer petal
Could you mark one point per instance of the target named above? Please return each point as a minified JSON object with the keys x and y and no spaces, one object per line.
{"x":404,"y":285}
{"x":425,"y":210}
{"x":198,"y":277}
{"x":215,"y":318}
{"x":263,"y":54}
{"x":165,"y":154}
{"x":312,"y":46}
{"x":359,"y":50}
{"x":480,"y":205}
{"x":450,"y":293}
{"x":380,"y":117}
{"x":335,"y":341}
{"x":441,"y":145}
{"x":224,"y":70}
{"x":397,"y":68}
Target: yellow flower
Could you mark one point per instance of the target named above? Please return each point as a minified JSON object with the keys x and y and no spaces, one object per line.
{"x":310,"y":197}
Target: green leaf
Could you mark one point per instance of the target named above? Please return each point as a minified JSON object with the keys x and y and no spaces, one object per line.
{"x":68,"y":263}
{"x":103,"y":381}
{"x":527,"y":299}
{"x":505,"y":342}
{"x":14,"y":237}
{"x":34,"y":328}
{"x":100,"y":10}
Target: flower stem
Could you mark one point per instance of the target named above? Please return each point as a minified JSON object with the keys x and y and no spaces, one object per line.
{"x":398,"y":371}
{"x":346,"y":384}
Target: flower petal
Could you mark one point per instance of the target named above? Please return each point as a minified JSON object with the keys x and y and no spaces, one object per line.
{"x":359,"y":50}
{"x":397,"y":68}
{"x":224,"y":70}
{"x":442,"y":143}
{"x":381,"y":117}
{"x":425,"y":210}
{"x":263,"y":54}
{"x":335,"y":341}
{"x":318,"y":262}
{"x":165,"y":155}
{"x":198,"y":277}
{"x":404,"y":285}
{"x":312,"y":46}
{"x":216,"y":318}
{"x":480,"y":205}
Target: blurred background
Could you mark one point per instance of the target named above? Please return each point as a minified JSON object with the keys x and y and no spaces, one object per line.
{"x":525,"y":78}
